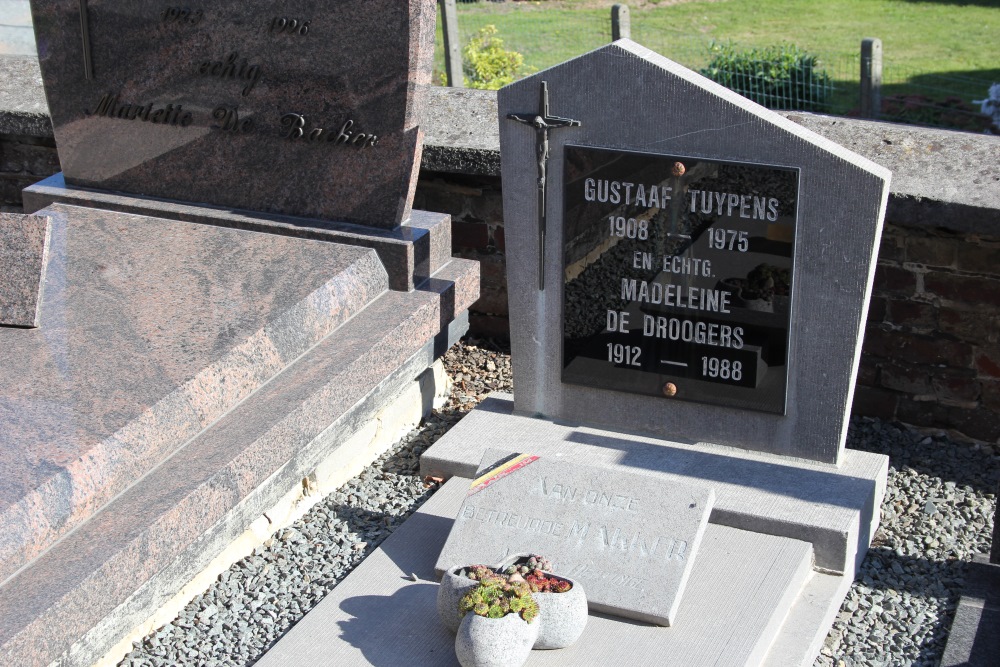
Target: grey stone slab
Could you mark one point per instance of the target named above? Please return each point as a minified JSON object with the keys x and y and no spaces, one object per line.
{"x":740,"y":591}
{"x":834,"y":508}
{"x":312,"y":110}
{"x":414,"y":250}
{"x":152,"y":329}
{"x":79,"y":597}
{"x":22,"y":98}
{"x":628,"y":98}
{"x":974,"y":638}
{"x":629,"y":539}
{"x":24,"y":253}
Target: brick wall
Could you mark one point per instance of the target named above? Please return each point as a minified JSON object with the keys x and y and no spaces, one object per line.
{"x":931,"y":354}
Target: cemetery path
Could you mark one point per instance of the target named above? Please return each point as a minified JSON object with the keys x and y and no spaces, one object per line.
{"x":937,"y":513}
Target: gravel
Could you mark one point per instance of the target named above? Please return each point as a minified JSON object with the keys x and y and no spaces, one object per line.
{"x":937,"y":513}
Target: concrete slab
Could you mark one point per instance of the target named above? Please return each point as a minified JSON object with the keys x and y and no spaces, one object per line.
{"x":627,"y":538}
{"x":740,"y":591}
{"x":152,"y":330}
{"x":833,"y":508}
{"x":24,"y":254}
{"x":112,"y":571}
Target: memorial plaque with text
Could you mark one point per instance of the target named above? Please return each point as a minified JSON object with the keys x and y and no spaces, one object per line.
{"x":630,"y":539}
{"x":678,"y":276}
{"x":303,"y":107}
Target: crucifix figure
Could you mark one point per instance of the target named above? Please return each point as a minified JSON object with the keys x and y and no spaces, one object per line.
{"x":542,"y":122}
{"x":88,"y":67}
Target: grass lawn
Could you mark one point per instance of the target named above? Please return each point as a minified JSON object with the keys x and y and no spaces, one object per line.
{"x":936,"y":48}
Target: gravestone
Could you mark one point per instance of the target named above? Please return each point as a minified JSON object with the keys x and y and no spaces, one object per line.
{"x":710,"y":262}
{"x":688,"y":276}
{"x":307,"y":108}
{"x":625,"y":537}
{"x":24,"y":252}
{"x":237,"y":294}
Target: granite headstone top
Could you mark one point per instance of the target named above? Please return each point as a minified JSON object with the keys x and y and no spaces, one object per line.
{"x":24,"y":249}
{"x":681,"y":261}
{"x":628,"y":538}
{"x":304,"y":108}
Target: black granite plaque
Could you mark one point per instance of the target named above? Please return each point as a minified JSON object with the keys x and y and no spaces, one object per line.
{"x":678,"y":276}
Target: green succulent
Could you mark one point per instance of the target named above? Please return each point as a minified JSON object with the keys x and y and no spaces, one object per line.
{"x":495,"y":598}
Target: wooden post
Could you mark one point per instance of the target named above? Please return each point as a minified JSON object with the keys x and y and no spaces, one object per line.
{"x":871,"y":77}
{"x":452,"y":48}
{"x":621,"y":23}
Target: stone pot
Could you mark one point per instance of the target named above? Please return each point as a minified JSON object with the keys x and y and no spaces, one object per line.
{"x":453,"y":588}
{"x":563,"y":616}
{"x":495,"y":642}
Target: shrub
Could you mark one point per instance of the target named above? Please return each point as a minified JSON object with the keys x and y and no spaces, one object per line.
{"x":777,"y":77}
{"x":489,"y":66}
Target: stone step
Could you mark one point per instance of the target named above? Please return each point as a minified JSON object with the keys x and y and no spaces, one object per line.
{"x":410,"y":253}
{"x":735,"y":610}
{"x":833,"y":508}
{"x":150,"y":331}
{"x":78,"y":598}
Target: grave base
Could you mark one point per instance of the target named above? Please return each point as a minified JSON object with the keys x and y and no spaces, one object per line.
{"x":775,"y":564}
{"x":185,"y":379}
{"x":752,"y":599}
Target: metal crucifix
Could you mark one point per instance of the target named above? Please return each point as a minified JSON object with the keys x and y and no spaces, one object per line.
{"x":542,"y":122}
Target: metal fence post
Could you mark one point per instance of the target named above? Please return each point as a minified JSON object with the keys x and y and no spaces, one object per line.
{"x":621,"y":23}
{"x":871,"y":77}
{"x":452,"y":49}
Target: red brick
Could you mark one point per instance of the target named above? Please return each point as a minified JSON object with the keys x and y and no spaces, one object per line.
{"x":990,"y":395}
{"x":981,"y":424}
{"x":988,"y":361}
{"x":922,"y":413}
{"x":431,"y":196}
{"x":873,"y":402}
{"x":950,"y":384}
{"x":979,"y":257}
{"x":469,"y":235}
{"x":905,"y":378}
{"x":877,"y":309}
{"x":894,"y":281}
{"x":891,"y":248}
{"x":967,"y":289}
{"x":930,"y":251}
{"x":868,"y":370}
{"x":499,"y":237}
{"x":488,"y":207}
{"x":975,"y":325}
{"x":492,"y":301}
{"x":912,"y":314}
{"x":917,"y":348}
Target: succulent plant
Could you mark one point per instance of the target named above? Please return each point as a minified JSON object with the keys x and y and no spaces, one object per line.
{"x":527,"y":565}
{"x":495,"y":598}
{"x":477,"y":572}
{"x":539,"y":582}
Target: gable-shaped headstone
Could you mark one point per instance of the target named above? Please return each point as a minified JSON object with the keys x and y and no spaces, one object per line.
{"x":306,"y":107}
{"x":700,"y":268}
